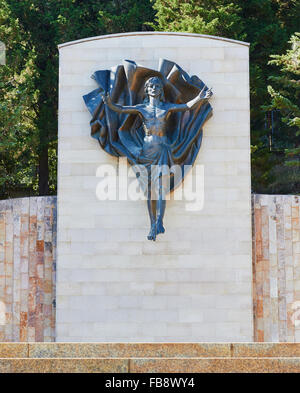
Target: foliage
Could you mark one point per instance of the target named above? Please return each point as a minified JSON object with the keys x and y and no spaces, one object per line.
{"x":18,"y":97}
{"x":31,"y":31}
{"x":213,"y":17}
{"x":267,"y":25}
{"x":286,"y":99}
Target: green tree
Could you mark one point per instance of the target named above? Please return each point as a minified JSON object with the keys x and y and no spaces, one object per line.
{"x":17,"y":99}
{"x":285,"y":98}
{"x":214,"y":17}
{"x":267,"y":25}
{"x":31,"y":31}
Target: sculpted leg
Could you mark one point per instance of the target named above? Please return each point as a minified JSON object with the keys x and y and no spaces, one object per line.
{"x":152,"y":214}
{"x":161,"y":207}
{"x":159,"y":223}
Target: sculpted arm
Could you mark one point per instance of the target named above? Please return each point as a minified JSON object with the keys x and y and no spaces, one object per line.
{"x":192,"y":103}
{"x":119,"y":108}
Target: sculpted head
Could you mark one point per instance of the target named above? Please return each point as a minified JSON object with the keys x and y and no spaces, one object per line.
{"x":154,"y":88}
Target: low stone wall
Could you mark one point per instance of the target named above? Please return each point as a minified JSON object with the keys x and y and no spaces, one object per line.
{"x":276,"y":268}
{"x":149,"y":358}
{"x":27,"y":269}
{"x":28,"y":264}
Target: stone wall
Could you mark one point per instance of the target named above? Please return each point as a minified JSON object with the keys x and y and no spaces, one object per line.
{"x":27,"y":269}
{"x":194,"y":283}
{"x":276,"y":268}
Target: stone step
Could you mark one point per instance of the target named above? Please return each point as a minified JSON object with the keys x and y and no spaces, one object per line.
{"x":150,"y":365}
{"x":149,"y":357}
{"x":148,"y":350}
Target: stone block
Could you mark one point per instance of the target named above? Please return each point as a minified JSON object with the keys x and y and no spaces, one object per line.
{"x":266,"y":350}
{"x":215,"y":365}
{"x":63,"y":366}
{"x":13,"y":350}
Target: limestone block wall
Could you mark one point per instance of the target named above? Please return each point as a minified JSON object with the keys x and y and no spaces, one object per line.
{"x":276,"y":267}
{"x":27,"y":269}
{"x":195,"y":282}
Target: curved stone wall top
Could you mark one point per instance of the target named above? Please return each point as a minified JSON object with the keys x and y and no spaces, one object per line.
{"x":149,"y":33}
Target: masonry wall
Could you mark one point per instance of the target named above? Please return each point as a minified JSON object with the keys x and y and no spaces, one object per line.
{"x":27,"y":269}
{"x":276,"y":267}
{"x":194,"y":283}
{"x":27,"y":273}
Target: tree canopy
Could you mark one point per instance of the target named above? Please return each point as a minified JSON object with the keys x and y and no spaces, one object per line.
{"x":267,"y":25}
{"x":32,"y":30}
{"x":212,"y":17}
{"x":286,"y":100}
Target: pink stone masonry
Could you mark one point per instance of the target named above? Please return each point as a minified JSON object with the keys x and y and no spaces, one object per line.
{"x":276,"y":268}
{"x":27,"y":269}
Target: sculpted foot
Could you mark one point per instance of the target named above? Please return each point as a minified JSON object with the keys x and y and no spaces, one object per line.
{"x":152,"y":233}
{"x":159,"y":226}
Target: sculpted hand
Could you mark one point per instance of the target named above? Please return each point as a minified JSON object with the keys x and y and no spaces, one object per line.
{"x":207,"y":94}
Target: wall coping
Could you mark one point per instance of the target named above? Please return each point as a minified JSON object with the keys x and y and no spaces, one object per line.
{"x":142,"y":33}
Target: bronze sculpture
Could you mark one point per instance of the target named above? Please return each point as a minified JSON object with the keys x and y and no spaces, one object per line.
{"x":155,"y":118}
